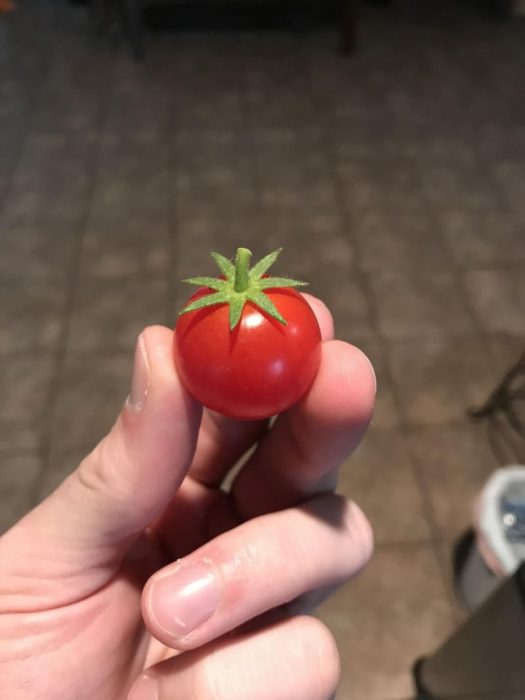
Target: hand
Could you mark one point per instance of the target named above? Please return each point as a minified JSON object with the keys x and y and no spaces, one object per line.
{"x":223,"y":576}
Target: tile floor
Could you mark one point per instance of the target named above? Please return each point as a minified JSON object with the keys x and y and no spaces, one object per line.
{"x":395,"y":182}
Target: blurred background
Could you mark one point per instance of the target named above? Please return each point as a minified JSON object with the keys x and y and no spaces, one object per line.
{"x":393,"y":177}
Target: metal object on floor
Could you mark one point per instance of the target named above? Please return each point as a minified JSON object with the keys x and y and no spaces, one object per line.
{"x":504,"y":411}
{"x":485,"y":657}
{"x":495,"y":548}
{"x":473,"y":581}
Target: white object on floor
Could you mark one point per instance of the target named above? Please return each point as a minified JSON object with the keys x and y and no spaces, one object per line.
{"x":501,"y":554}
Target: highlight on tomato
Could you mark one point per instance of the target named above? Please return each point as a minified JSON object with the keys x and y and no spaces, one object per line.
{"x":247,"y":345}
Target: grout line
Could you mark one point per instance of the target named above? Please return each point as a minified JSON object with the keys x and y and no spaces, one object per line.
{"x":252,"y":151}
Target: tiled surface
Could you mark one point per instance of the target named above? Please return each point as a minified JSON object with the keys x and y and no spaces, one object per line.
{"x":479,"y":239}
{"x":386,"y":618}
{"x":454,"y":463}
{"x":91,"y":391}
{"x":406,"y":239}
{"x":133,"y":178}
{"x":16,"y":474}
{"x":115,"y":249}
{"x":49,"y":243}
{"x":497,"y":297}
{"x":25,"y":383}
{"x":437,"y":379}
{"x":52,"y":175}
{"x":400,"y":201}
{"x":420,"y":304}
{"x":213,"y":174}
{"x":381,"y":478}
{"x":31,"y":317}
{"x":108,"y":315}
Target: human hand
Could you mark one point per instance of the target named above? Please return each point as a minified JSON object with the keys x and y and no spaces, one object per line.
{"x":140,"y":555}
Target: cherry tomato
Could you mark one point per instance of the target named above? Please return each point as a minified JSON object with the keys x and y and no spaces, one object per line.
{"x":259,"y":368}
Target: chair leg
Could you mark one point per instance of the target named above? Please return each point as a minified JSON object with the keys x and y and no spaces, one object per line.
{"x":349,"y":16}
{"x":98,"y":15}
{"x":132,"y":16}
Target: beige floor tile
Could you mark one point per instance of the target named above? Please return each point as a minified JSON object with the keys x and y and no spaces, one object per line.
{"x":418,"y":305}
{"x":24,"y":386}
{"x":380,"y":478}
{"x":438,"y":379}
{"x":91,"y":394}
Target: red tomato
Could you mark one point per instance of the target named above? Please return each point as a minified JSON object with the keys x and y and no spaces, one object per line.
{"x":258,"y":369}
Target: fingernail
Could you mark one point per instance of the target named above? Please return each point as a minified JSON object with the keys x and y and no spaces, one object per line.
{"x":146,"y":688}
{"x":183,"y":600}
{"x":140,"y":380}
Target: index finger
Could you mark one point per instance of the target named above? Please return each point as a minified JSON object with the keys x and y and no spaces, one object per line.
{"x":302,"y":452}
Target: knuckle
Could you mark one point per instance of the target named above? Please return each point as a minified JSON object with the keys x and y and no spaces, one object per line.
{"x":99,"y":472}
{"x":264,"y":547}
{"x":90,"y":474}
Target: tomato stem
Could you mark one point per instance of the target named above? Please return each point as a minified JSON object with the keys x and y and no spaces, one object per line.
{"x":239,"y":285}
{"x":242,"y":266}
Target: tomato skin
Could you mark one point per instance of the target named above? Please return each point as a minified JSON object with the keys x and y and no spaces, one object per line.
{"x":259,"y":369}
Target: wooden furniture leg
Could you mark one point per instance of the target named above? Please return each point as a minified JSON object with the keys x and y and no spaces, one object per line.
{"x":348,"y":18}
{"x":132,"y":17}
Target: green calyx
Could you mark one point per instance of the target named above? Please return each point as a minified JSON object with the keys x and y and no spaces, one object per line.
{"x":241,"y":284}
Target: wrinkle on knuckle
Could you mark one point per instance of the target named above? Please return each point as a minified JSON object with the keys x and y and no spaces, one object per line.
{"x":249,"y":562}
{"x":91,"y":474}
{"x":100,"y":473}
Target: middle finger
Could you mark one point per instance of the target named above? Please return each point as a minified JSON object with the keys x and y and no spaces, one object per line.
{"x":301,"y":454}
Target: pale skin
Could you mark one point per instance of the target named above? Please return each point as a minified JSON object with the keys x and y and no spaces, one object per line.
{"x":139,"y":578}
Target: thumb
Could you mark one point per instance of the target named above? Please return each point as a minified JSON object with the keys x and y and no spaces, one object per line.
{"x":128,"y":479}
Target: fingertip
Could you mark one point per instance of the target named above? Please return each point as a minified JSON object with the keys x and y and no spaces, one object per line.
{"x":145,"y":688}
{"x":344,"y":388}
{"x":323,"y":315}
{"x":157,"y":344}
{"x":366,"y":362}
